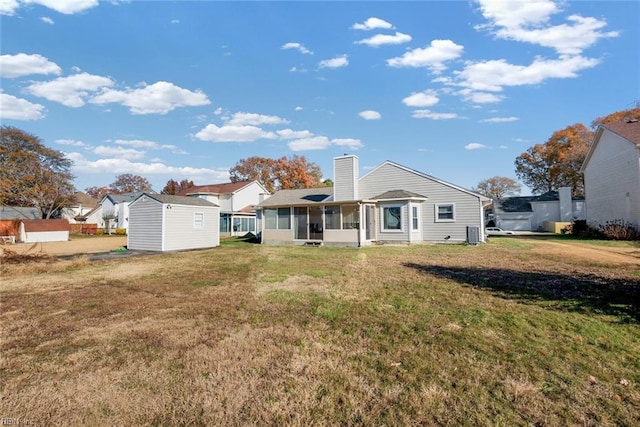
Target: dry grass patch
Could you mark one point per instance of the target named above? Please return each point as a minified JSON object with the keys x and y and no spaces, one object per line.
{"x":246,"y":334}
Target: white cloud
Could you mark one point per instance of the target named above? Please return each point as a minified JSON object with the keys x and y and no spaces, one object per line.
{"x":433,"y":56}
{"x":370,"y":115}
{"x":312,"y":143}
{"x":230,"y":133}
{"x":298,"y":108}
{"x":500,"y":120}
{"x":240,"y":119}
{"x":426,"y":98}
{"x":138,"y":143}
{"x":491,"y":76}
{"x":158,"y":98}
{"x":297,"y":46}
{"x":337,"y":62}
{"x":480,"y":97}
{"x":71,"y":142}
{"x":8,"y":7}
{"x":475,"y":146}
{"x":351,"y":143}
{"x":385,"y":39}
{"x":23,"y":65}
{"x":294,"y":134}
{"x":67,"y":7}
{"x":322,"y":142}
{"x":12,"y":108}
{"x":372,"y":23}
{"x":47,"y":20}
{"x":529,"y":22}
{"x":72,"y":90}
{"x":119,"y":152}
{"x":175,"y":21}
{"x":119,"y":166}
{"x":427,"y":114}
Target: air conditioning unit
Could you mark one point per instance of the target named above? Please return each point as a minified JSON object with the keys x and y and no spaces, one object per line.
{"x":473,"y":235}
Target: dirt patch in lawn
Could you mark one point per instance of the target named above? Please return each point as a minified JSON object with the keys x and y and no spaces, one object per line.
{"x":590,"y":253}
{"x":74,"y":246}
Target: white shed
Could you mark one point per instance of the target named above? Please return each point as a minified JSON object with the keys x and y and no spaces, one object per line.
{"x":159,"y":222}
{"x":44,"y":230}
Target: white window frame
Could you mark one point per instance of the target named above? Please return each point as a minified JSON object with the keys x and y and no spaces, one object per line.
{"x":416,"y":217}
{"x":198,"y":223}
{"x":437,"y":209}
{"x":382,"y":224}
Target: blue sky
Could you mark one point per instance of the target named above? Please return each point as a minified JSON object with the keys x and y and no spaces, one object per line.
{"x":456,"y":89}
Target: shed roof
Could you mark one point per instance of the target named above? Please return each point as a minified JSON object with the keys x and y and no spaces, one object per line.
{"x":302,"y":196}
{"x":36,"y":225}
{"x":179,"y":200}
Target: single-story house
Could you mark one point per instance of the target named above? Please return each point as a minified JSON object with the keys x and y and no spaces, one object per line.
{"x":391,"y":203}
{"x":237,"y":201}
{"x":159,"y":222}
{"x":612,"y":174}
{"x":44,"y":230}
{"x":529,"y":213}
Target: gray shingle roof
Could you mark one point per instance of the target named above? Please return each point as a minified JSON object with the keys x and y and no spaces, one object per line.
{"x":180,"y":200}
{"x":303,"y":196}
{"x":398,"y":194}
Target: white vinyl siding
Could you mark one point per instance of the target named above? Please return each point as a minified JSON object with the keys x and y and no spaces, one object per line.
{"x":389,"y":176}
{"x":345,"y":178}
{"x":155,"y":227}
{"x":146,"y":219}
{"x":612,"y":181}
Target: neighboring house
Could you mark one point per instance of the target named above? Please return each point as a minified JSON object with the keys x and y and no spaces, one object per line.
{"x":116,"y":206}
{"x":612,"y":174}
{"x":17,"y":212}
{"x":44,"y":230}
{"x":529,"y":213}
{"x":391,"y":203}
{"x":237,"y":201}
{"x":83,"y":210}
{"x":159,"y":222}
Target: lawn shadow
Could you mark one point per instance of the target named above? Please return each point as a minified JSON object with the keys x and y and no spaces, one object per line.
{"x":585,"y":292}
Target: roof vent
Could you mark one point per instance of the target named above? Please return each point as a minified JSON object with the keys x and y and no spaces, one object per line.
{"x":630,"y":120}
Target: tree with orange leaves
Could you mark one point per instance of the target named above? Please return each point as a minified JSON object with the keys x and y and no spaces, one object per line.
{"x":277,"y":174}
{"x":556,"y":163}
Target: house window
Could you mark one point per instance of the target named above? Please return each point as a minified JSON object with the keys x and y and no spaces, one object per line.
{"x":244,"y":225}
{"x":391,"y":218}
{"x":332,"y":217}
{"x":198,"y":220}
{"x":277,"y":219}
{"x":445,"y":212}
{"x":271,"y":219}
{"x":415,"y":215}
{"x":284,"y":218}
{"x":350,"y":217}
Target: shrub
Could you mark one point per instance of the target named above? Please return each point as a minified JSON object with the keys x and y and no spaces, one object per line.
{"x":99,"y":231}
{"x":121,"y":231}
{"x":619,"y":229}
{"x":579,"y":228}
